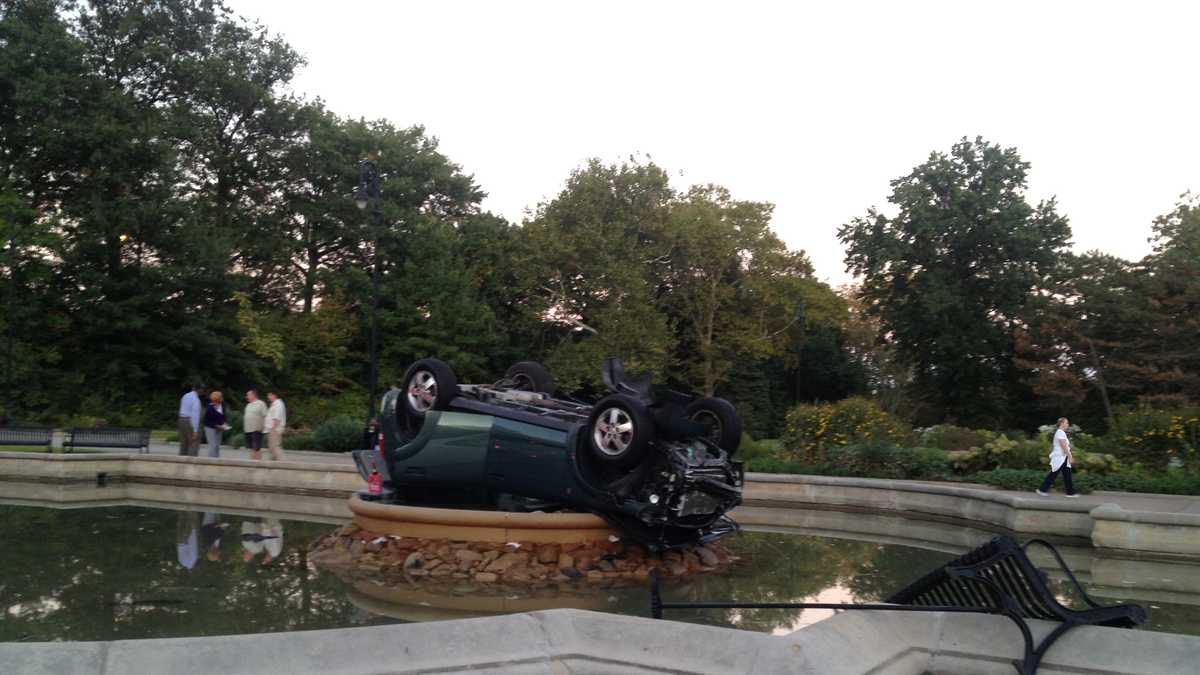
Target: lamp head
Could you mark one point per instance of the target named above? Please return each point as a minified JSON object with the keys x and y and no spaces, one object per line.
{"x":360,"y":198}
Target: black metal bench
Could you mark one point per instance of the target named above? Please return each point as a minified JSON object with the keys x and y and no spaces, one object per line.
{"x":108,"y":437}
{"x":996,"y":578}
{"x":26,"y":436}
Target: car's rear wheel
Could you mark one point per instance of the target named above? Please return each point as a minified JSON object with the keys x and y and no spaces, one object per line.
{"x":720,"y":419}
{"x":531,"y":376}
{"x":620,"y":431}
{"x":429,"y":384}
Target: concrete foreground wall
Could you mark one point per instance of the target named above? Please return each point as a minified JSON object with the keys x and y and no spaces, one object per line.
{"x":575,"y":641}
{"x":1107,"y":527}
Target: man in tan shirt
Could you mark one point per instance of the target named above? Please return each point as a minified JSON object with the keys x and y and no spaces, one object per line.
{"x":253,"y":419}
{"x":275,"y":424}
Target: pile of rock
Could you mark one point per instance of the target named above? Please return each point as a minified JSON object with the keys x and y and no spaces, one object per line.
{"x":352,"y":549}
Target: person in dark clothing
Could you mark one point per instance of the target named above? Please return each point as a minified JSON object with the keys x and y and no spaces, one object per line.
{"x":214,"y":423}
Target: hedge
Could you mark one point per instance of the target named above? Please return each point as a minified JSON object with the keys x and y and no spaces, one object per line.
{"x":1029,"y":479}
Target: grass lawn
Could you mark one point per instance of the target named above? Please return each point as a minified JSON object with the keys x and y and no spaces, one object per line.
{"x":26,"y":448}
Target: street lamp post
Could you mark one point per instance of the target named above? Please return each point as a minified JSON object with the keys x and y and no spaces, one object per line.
{"x":8,"y":417}
{"x":368,"y":194}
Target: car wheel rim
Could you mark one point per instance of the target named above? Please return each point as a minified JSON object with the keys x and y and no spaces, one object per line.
{"x":422,"y":391}
{"x":711,"y":421}
{"x":613,"y":432}
{"x":522,"y":382}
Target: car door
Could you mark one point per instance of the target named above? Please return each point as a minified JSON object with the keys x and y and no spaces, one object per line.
{"x":529,"y":460}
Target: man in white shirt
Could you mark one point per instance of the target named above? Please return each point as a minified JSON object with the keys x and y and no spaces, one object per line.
{"x":253,"y":422}
{"x":190,"y":412}
{"x":1060,"y":460}
{"x":275,"y":424}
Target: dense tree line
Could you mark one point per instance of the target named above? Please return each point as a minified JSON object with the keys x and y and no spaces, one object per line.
{"x":176,"y":212}
{"x":972,"y":309}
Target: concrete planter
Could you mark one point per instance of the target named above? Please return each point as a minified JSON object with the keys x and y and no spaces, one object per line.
{"x":471,"y":525}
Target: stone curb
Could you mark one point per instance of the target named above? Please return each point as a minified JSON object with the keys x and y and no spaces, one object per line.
{"x":1120,"y":532}
{"x":1138,"y":533}
{"x":1017,"y":499}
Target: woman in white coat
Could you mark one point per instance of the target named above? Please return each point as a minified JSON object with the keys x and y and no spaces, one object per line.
{"x":1061,"y":460}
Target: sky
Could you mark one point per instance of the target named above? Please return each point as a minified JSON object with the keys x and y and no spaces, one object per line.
{"x":813,"y":107}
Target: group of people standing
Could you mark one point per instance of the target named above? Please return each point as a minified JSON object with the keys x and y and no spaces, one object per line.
{"x":258,"y":420}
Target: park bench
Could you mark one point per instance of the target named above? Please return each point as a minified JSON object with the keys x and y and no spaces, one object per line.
{"x":996,"y":578}
{"x":26,"y":436}
{"x":107,"y":437}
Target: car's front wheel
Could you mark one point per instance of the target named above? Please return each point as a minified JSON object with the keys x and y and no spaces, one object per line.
{"x":620,"y":431}
{"x":720,"y":419}
{"x":429,"y":384}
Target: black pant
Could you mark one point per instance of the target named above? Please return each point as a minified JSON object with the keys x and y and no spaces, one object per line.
{"x":1065,"y":470}
{"x":254,"y":440}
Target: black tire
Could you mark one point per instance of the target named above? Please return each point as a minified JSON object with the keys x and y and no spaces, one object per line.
{"x":429,"y":384}
{"x":720,"y":418}
{"x":531,"y":376}
{"x":621,"y":449}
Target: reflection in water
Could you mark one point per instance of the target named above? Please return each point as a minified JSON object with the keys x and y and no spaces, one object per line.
{"x":105,"y":574}
{"x":127,"y":572}
{"x":187,"y":533}
{"x":264,"y":536}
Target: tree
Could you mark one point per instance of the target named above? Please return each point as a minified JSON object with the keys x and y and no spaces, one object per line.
{"x":949,"y":275}
{"x":1173,"y":287}
{"x":587,"y":260}
{"x":732,"y":286}
{"x":1110,"y":333}
{"x":888,"y":378}
{"x":1080,"y":339}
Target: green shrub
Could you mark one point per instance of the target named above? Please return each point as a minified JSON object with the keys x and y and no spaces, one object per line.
{"x":233,"y":418}
{"x":86,"y":421}
{"x":881,"y":459}
{"x":1017,"y":479}
{"x":296,"y":440}
{"x":307,"y":411}
{"x":954,"y":439}
{"x":1177,"y":483}
{"x":1082,"y":441}
{"x":925,"y":463}
{"x":813,"y":429}
{"x":752,"y":449}
{"x":1153,"y":438}
{"x":1173,"y":483}
{"x":778,"y":465}
{"x":1000,"y":453}
{"x":1097,"y":463}
{"x":1004,"y":453}
{"x":339,"y":434}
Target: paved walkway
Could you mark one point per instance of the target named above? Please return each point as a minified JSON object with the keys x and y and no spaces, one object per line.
{"x":159,"y":448}
{"x":1130,"y":501}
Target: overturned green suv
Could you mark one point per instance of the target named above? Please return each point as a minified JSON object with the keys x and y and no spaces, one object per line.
{"x":652,"y":461}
